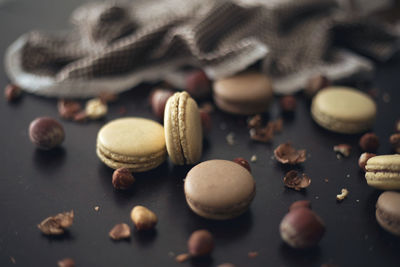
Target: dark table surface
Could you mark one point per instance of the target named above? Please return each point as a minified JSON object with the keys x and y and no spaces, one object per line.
{"x":36,"y":184}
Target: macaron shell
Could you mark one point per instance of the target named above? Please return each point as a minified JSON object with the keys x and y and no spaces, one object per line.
{"x":384,"y":162}
{"x":190,"y":129}
{"x":388,"y":211}
{"x":383,"y":172}
{"x":343,"y":110}
{"x":219,"y":189}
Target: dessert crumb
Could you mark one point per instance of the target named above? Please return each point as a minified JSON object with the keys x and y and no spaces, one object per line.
{"x":252,"y":254}
{"x":326,"y":180}
{"x":12,"y":259}
{"x":230,"y":139}
{"x":253,"y":158}
{"x":96,"y":208}
{"x":344,"y":193}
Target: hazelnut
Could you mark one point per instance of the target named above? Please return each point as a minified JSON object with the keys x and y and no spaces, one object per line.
{"x":288,"y":103}
{"x":143,"y":218}
{"x":96,"y":109}
{"x":12,"y":92}
{"x":343,"y":149}
{"x":301,"y":228}
{"x":286,"y":154}
{"x":296,"y":181}
{"x":244,"y":163}
{"x":122,"y":178}
{"x":46,"y":133}
{"x":316,"y":83}
{"x":205,"y":121}
{"x":369,"y":142}
{"x":158,"y":99}
{"x":200,"y":243}
{"x":395,"y":141}
{"x":67,"y":262}
{"x":300,"y":204}
{"x":198,"y":85}
{"x":68,"y":108}
{"x":362,"y":161}
{"x":120,"y":231}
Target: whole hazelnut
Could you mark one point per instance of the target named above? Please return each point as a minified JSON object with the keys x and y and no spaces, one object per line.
{"x":46,"y":133}
{"x":369,"y":142}
{"x":316,"y":83}
{"x":300,"y":204}
{"x":198,"y":85}
{"x":395,"y":141}
{"x":288,"y":103}
{"x":12,"y":92}
{"x":205,"y":121}
{"x":301,"y":228}
{"x":143,"y":218}
{"x":362,"y":161}
{"x":158,"y":99}
{"x":122,"y":178}
{"x":200,"y":243}
{"x":244,"y":163}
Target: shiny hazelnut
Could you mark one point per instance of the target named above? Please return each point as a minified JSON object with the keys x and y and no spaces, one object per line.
{"x":198,"y":85}
{"x":12,"y":92}
{"x":200,"y":243}
{"x":369,"y":142}
{"x":362,"y":161}
{"x":301,"y":228}
{"x":158,"y":99}
{"x":316,"y":83}
{"x":244,"y":163}
{"x":143,"y":218}
{"x":300,"y":204}
{"x":122,"y":178}
{"x":46,"y":133}
{"x":288,"y":103}
{"x":395,"y":141}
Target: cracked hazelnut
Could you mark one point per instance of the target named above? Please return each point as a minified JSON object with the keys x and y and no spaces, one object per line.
{"x":12,"y":92}
{"x":68,"y":108}
{"x":343,"y":149}
{"x":46,"y":133}
{"x":143,"y":218}
{"x":288,"y":103}
{"x":301,"y":228}
{"x":395,"y":141}
{"x":293,"y":180}
{"x":287,"y":154}
{"x":362,"y":161}
{"x":158,"y":99}
{"x":122,"y":178}
{"x":316,"y":83}
{"x":369,"y":142}
{"x":198,"y":85}
{"x":200,"y":243}
{"x":120,"y":231}
{"x":56,"y":225}
{"x":244,"y":163}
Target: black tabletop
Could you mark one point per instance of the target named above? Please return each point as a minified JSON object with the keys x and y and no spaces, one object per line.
{"x":35,"y":184}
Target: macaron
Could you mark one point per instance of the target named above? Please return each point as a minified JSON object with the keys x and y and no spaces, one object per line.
{"x":183,"y":130}
{"x":243,"y":94}
{"x":343,"y":110}
{"x":383,"y":172}
{"x":134,"y":143}
{"x":219,"y":189}
{"x":388,"y":212}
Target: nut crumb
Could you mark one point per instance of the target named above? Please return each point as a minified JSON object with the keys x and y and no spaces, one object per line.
{"x":293,"y":180}
{"x":96,"y":109}
{"x":230,"y":139}
{"x":56,"y":225}
{"x":287,"y":154}
{"x":96,"y":208}
{"x":12,"y":92}
{"x":253,"y":158}
{"x":182,"y":257}
{"x":343,"y":149}
{"x":255,"y":121}
{"x":357,"y":200}
{"x":343,"y":194}
{"x":107,"y":97}
{"x":120,"y":231}
{"x":12,"y":259}
{"x":252,"y":254}
{"x":67,"y":109}
{"x":67,"y":262}
{"x":326,"y":180}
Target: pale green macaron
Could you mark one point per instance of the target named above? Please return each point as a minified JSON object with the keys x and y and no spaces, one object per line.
{"x":383,"y":172}
{"x":343,"y":110}
{"x":183,"y":129}
{"x":134,"y":143}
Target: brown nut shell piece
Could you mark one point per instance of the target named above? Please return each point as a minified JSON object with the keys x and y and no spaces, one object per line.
{"x":300,"y":204}
{"x":67,"y":262}
{"x":68,"y":108}
{"x":287,"y":154}
{"x":143,"y":218}
{"x":301,"y":228}
{"x":46,"y":133}
{"x":120,"y":231}
{"x":200,"y":243}
{"x":369,"y":142}
{"x":343,"y":149}
{"x":255,"y":121}
{"x":12,"y":92}
{"x":243,"y":162}
{"x":56,"y":225}
{"x":362,"y":161}
{"x":293,"y":180}
{"x":395,"y":141}
{"x":122,"y":179}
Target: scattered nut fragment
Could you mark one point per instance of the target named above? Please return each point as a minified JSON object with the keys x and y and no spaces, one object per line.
{"x":96,"y":109}
{"x":287,"y":154}
{"x":56,"y":225}
{"x":80,"y":116}
{"x":362,"y":161}
{"x":326,"y":180}
{"x":300,"y":204}
{"x":200,"y":243}
{"x":288,"y":103}
{"x":253,"y":158}
{"x":243,"y":162}
{"x":143,"y":218}
{"x":276,"y":125}
{"x":46,"y":133}
{"x":120,"y":231}
{"x":198,"y":85}
{"x":255,"y":121}
{"x":12,"y":259}
{"x":158,"y":99}
{"x":395,"y":141}
{"x":315,"y":84}
{"x":67,"y":262}
{"x":205,"y":121}
{"x":397,"y":126}
{"x":107,"y":97}
{"x":68,"y":108}
{"x":293,"y":180}
{"x":265,"y":134}
{"x":252,"y":254}
{"x":96,"y":208}
{"x":122,"y":179}
{"x":343,"y":195}
{"x":301,"y":228}
{"x":369,"y":142}
{"x":230,"y":139}
{"x":182,"y":257}
{"x":12,"y":92}
{"x":343,"y":149}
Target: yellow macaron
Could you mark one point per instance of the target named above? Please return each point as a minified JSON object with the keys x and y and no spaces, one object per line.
{"x":383,"y":172}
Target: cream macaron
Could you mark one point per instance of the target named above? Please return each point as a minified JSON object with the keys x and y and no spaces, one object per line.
{"x":343,"y":110}
{"x":134,"y":143}
{"x":183,"y":129}
{"x":383,"y":172}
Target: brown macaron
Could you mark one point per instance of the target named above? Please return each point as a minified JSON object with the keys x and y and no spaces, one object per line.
{"x":388,"y":212}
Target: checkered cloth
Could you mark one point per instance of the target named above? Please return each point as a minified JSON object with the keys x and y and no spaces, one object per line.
{"x":115,"y":46}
